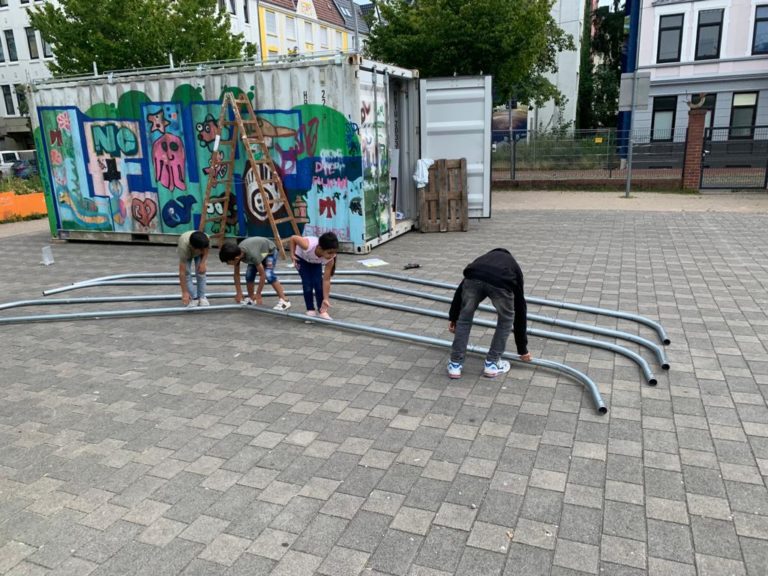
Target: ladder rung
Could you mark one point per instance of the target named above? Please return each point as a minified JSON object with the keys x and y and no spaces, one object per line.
{"x":284,"y":219}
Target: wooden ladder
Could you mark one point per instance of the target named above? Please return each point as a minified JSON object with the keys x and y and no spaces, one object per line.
{"x":248,"y":130}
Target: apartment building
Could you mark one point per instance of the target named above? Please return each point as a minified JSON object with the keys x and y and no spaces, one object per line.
{"x":714,"y":47}
{"x":23,"y":55}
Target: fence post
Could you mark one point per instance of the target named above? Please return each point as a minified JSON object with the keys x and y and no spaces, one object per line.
{"x":610,"y":155}
{"x":514,"y":157}
{"x":694,"y":146}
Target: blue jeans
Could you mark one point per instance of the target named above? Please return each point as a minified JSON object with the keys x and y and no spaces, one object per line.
{"x":269,"y":269}
{"x":198,"y":293}
{"x":472,"y":294}
{"x":312,"y":283}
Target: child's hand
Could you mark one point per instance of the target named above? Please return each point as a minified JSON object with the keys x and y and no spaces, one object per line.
{"x":185,"y":299}
{"x":202,"y":268}
{"x":259,"y":300}
{"x":295,"y":263}
{"x":526,"y":357}
{"x":452,"y":327}
{"x":326,"y":305}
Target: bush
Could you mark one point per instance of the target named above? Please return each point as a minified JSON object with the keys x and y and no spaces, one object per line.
{"x":20,"y":186}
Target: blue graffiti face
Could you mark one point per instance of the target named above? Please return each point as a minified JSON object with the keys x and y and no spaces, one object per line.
{"x":178,"y":211}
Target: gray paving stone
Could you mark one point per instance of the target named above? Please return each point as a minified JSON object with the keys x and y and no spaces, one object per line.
{"x":396,"y":552}
{"x":715,"y":538}
{"x":442,"y":549}
{"x":365,"y":531}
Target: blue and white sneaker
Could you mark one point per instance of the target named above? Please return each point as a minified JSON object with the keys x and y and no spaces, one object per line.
{"x":493,"y":369}
{"x":454,"y":370}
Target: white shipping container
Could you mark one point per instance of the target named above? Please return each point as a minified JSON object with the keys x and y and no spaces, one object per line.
{"x":127,"y":156}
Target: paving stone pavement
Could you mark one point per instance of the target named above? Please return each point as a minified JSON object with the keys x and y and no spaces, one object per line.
{"x":234,"y":443}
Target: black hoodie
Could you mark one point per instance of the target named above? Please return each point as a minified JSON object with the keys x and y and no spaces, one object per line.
{"x":499,"y":269}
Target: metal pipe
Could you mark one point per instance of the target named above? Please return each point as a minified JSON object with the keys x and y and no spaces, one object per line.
{"x":658,"y":328}
{"x":575,"y":374}
{"x":436,"y":284}
{"x":652,"y":346}
{"x":639,"y":360}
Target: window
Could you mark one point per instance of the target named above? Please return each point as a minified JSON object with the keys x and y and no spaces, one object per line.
{"x":743,"y":113}
{"x":290,"y":28}
{"x":2,"y":53}
{"x":47,"y":51}
{"x":663,"y":121}
{"x":710,"y":101}
{"x":233,"y":6}
{"x":9,"y":109}
{"x":34,"y":54}
{"x":3,"y":3}
{"x":323,"y":37}
{"x":760,"y":37}
{"x":670,"y":38}
{"x":308,"y":38}
{"x":21,"y":97}
{"x":339,"y":41}
{"x":246,"y":12}
{"x":708,"y":34}
{"x":23,"y":1}
{"x":271,"y":19}
{"x":11,"y":43}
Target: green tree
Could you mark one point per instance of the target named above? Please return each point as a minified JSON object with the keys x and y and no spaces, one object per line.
{"x":601,"y":68}
{"x":516,"y":41}
{"x":123,"y":34}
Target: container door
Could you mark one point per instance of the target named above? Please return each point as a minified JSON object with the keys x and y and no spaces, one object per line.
{"x":456,"y":123}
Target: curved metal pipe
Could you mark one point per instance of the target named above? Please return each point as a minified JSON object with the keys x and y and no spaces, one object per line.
{"x":658,"y":328}
{"x":639,"y":360}
{"x":575,"y":374}
{"x":659,"y":352}
{"x":563,"y":305}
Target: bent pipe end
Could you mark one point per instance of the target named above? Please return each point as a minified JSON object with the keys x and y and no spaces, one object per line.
{"x":666,"y":341}
{"x":665,"y":366}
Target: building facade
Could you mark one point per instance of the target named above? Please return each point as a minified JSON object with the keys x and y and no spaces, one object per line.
{"x":716,"y":48}
{"x":23,"y":56}
{"x":278,"y":27}
{"x":569,"y":15}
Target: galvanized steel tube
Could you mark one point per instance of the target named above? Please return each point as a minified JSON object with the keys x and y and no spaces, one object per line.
{"x":652,"y":346}
{"x":579,"y":376}
{"x":639,"y":360}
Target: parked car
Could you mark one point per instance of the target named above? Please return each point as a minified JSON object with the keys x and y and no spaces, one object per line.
{"x":25,"y":169}
{"x":9,"y":157}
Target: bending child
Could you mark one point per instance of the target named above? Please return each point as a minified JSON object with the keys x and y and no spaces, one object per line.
{"x":261,"y":256}
{"x":309,"y":255}
{"x":193,"y":247}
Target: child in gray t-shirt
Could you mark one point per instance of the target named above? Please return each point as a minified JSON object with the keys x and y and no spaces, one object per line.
{"x":261,"y":256}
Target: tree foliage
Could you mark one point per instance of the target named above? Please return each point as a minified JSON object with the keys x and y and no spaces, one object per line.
{"x":123,"y":34}
{"x":600,"y":77}
{"x":516,"y":41}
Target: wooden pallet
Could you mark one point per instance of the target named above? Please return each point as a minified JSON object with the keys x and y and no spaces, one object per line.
{"x":443,"y":202}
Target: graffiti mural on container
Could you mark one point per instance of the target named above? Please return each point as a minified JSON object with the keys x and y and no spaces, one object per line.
{"x":142,"y":166}
{"x":375,"y":198}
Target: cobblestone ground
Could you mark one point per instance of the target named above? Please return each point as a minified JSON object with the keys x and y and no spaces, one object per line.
{"x":233,"y":443}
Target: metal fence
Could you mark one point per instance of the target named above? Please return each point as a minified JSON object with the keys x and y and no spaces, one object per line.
{"x":735,"y":158}
{"x":588,"y":156}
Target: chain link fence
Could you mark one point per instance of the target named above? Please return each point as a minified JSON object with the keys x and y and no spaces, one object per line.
{"x":588,"y":156}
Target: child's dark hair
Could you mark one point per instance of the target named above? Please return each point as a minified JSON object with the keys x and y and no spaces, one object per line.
{"x":229,"y":251}
{"x":199,"y":240}
{"x":328,"y":241}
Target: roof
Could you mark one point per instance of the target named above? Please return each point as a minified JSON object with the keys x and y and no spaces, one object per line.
{"x":345,"y":9}
{"x":287,"y":4}
{"x":367,"y":8}
{"x":327,"y":12}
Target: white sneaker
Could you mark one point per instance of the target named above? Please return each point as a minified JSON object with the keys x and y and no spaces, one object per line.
{"x":246,"y":301}
{"x":493,"y":369}
{"x":192,"y":304}
{"x":312,"y":313}
{"x":325,"y":316}
{"x":454,"y":370}
{"x":203,"y":303}
{"x":282,"y":305}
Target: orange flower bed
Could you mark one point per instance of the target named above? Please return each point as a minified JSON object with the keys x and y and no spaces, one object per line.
{"x":16,"y":205}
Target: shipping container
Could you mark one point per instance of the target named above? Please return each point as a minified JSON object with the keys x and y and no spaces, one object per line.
{"x":126,"y":157}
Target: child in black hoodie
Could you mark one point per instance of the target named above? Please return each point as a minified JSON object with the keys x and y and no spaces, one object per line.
{"x":495,"y":275}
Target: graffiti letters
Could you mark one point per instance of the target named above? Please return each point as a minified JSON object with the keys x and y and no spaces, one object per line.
{"x":114,"y":140}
